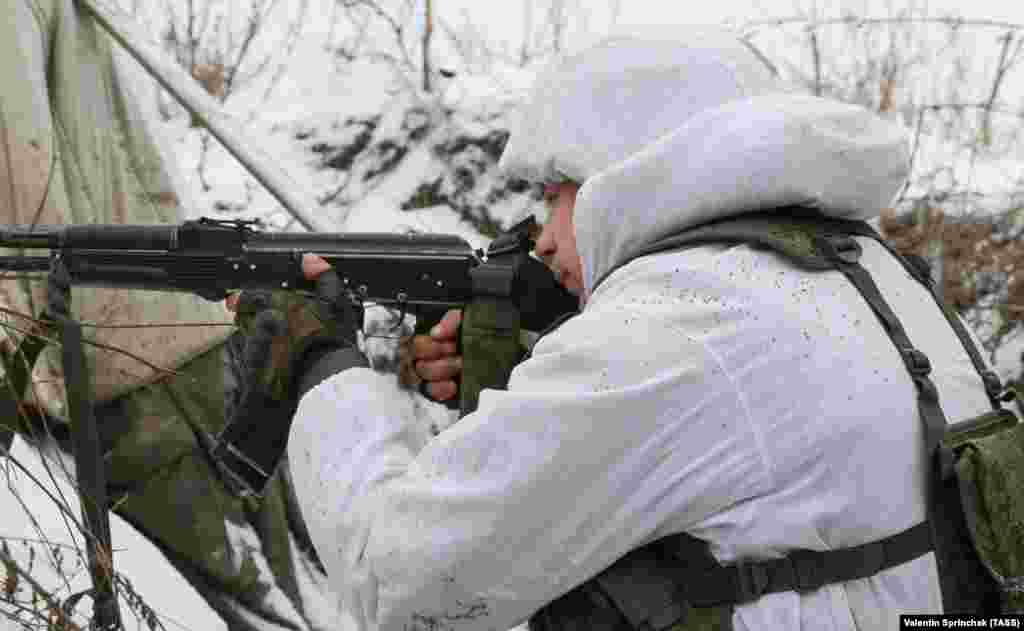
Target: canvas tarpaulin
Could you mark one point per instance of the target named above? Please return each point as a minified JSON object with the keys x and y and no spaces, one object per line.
{"x":76,"y":147}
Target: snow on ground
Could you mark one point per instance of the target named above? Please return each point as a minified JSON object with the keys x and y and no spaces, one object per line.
{"x":1010,"y":357}
{"x":177,"y":604}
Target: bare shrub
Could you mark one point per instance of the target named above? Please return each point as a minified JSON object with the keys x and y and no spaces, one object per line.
{"x":950,"y":81}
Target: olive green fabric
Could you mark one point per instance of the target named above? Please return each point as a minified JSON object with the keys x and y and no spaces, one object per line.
{"x":991,"y":474}
{"x":490,"y":339}
{"x":706,"y":619}
{"x":301,"y":320}
{"x":233,"y":550}
{"x":76,"y":147}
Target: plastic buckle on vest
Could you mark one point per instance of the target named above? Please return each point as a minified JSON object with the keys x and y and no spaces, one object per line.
{"x":995,"y":389}
{"x":917,"y":362}
{"x":752,"y":581}
{"x":844,"y":247}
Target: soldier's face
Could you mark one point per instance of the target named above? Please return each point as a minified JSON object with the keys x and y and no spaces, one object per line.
{"x":557,"y":243}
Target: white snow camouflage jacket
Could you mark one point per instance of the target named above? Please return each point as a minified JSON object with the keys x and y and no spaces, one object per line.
{"x":717,"y":391}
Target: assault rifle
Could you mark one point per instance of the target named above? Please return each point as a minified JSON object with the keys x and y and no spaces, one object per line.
{"x":419,"y":273}
{"x":502,"y":290}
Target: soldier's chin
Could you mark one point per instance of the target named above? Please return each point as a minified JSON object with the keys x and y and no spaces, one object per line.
{"x":572,"y":285}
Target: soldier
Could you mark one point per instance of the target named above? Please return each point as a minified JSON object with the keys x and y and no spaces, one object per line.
{"x":735,"y":410}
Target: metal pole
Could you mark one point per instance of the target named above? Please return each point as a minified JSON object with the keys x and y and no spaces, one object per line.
{"x":300,"y":203}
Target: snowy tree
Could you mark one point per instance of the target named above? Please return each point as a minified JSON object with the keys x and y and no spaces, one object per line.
{"x":952,"y":83}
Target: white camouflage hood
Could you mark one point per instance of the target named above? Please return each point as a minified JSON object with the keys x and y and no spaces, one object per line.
{"x":668,"y":129}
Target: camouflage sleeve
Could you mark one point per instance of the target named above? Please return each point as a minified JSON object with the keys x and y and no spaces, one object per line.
{"x":251,"y":560}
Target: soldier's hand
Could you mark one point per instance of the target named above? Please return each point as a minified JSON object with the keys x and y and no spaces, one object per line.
{"x":432,"y":361}
{"x":284,"y":329}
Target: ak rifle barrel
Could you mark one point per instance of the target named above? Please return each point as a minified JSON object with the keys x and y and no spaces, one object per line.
{"x":24,"y":264}
{"x":28,"y":237}
{"x":194,"y":237}
{"x":93,"y":236}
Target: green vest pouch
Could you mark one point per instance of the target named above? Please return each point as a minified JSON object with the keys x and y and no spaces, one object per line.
{"x":990,"y":473}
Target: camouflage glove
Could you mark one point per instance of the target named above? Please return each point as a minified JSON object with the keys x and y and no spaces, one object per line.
{"x":292,"y":343}
{"x":287,"y":332}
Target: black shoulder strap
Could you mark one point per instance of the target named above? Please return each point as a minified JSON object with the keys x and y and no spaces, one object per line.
{"x":993,"y":385}
{"x":954,"y":552}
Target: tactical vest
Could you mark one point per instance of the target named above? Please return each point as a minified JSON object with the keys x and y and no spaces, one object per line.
{"x":675,"y":583}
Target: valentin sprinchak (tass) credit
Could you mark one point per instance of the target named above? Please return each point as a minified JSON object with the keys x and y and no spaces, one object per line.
{"x":960,"y":621}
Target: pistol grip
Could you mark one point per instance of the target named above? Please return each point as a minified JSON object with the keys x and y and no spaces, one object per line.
{"x":425,"y":320}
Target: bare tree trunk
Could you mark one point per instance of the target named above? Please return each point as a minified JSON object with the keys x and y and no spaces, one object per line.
{"x":1001,"y":67}
{"x":428,"y":32}
{"x":193,"y":36}
{"x":816,"y":56}
{"x":557,"y":15}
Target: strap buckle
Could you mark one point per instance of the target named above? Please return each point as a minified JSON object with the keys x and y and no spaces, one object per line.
{"x":994,"y":387}
{"x":917,"y":362}
{"x":843,"y":248}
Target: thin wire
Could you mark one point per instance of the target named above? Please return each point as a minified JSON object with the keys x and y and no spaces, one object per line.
{"x":948,"y":21}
